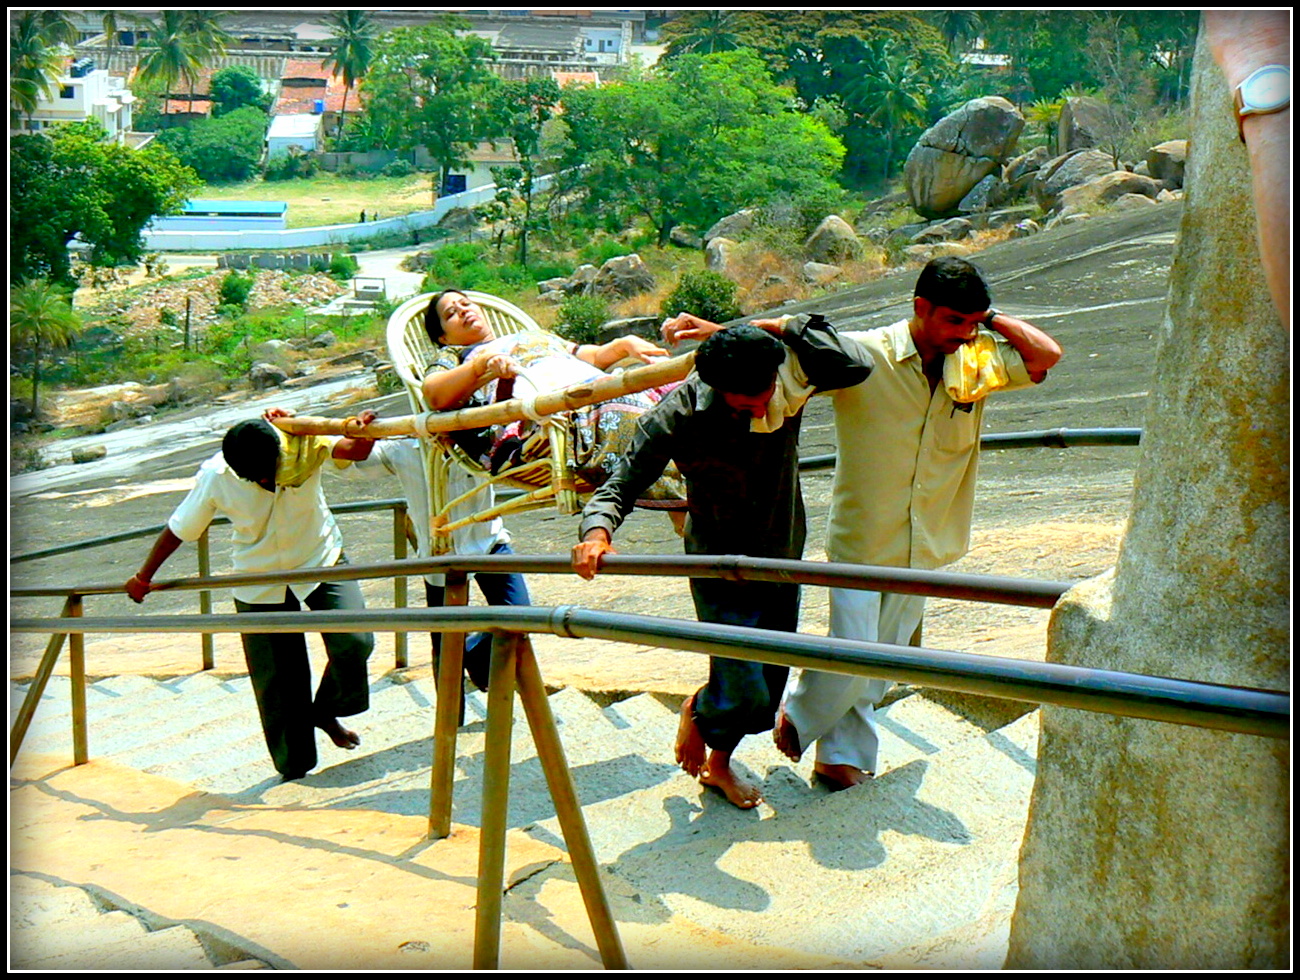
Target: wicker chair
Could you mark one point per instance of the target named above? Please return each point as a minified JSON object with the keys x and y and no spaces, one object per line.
{"x":546,"y":480}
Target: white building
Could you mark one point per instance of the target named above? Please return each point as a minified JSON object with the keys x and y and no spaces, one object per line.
{"x":85,"y":92}
{"x":303,"y":130}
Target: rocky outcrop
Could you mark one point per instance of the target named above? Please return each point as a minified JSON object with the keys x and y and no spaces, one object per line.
{"x":733,"y":226}
{"x":832,"y":241}
{"x":1123,"y":865}
{"x":1166,"y":162}
{"x":1087,"y":122}
{"x":1107,"y":189}
{"x":623,"y":276}
{"x":718,"y":253}
{"x":1069,"y":170}
{"x":959,"y":151}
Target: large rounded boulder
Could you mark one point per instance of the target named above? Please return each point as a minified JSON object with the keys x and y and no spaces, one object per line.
{"x":1069,"y":170}
{"x":1087,"y":122}
{"x":959,"y":151}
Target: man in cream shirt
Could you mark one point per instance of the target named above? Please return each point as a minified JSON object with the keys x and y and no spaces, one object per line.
{"x":904,"y":493}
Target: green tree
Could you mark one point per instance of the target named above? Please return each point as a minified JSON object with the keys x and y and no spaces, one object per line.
{"x":430,"y":87}
{"x":35,"y":61}
{"x":958,"y":27}
{"x":171,"y":55}
{"x":72,"y":183}
{"x":40,"y":318}
{"x":222,"y":150}
{"x":888,"y":95}
{"x":695,"y":140}
{"x":520,"y":110}
{"x":352,"y":51}
{"x":181,"y":42}
{"x":237,"y":87}
{"x":702,"y":32}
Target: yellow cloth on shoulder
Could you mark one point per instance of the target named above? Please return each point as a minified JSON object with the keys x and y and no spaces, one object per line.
{"x":300,"y":457}
{"x":975,"y":370}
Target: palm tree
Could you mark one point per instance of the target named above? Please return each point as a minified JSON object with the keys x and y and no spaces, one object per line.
{"x":41,"y":316}
{"x":182,"y":40}
{"x":352,"y":52}
{"x":171,"y":56}
{"x":959,"y":28}
{"x":702,"y":32}
{"x":34,"y":65}
{"x":208,"y":38}
{"x":57,"y":27}
{"x":890,"y":93}
{"x":110,"y":25}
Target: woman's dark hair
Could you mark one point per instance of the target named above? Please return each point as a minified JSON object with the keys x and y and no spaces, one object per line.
{"x":433,"y":322}
{"x":741,"y":360}
{"x":954,"y":283}
{"x":252,"y":450}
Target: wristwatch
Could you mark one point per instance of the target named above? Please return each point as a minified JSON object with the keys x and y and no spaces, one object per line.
{"x":988,"y":317}
{"x":1265,"y":90}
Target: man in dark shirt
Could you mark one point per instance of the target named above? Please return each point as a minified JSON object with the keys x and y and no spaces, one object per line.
{"x":733,"y":432}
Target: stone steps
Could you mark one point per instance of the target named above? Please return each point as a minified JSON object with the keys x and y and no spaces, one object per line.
{"x":948,"y":806}
{"x":60,"y":927}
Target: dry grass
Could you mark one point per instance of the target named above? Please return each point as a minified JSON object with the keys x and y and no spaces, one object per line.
{"x":328,"y":199}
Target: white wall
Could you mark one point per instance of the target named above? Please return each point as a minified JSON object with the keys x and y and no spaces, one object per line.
{"x":222,"y":240}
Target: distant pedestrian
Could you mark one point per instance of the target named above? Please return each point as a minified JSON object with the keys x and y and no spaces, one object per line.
{"x":363,"y":216}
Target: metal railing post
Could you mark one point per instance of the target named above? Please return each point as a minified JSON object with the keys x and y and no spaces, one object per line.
{"x":448,"y":711}
{"x":550,"y":752}
{"x":400,"y":649}
{"x":205,"y":599}
{"x":496,"y":798}
{"x":77,"y":675}
{"x":23,"y":717}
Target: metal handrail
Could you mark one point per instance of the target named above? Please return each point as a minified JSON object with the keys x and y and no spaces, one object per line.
{"x":1247,"y":710}
{"x":915,"y":581}
{"x":1059,"y":438}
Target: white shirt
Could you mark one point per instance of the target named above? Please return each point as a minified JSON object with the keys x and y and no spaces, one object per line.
{"x":273,"y":532}
{"x":401,"y":458}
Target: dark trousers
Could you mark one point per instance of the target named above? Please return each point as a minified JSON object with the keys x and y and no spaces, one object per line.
{"x":741,"y":696}
{"x":280,"y":672}
{"x":507,"y":589}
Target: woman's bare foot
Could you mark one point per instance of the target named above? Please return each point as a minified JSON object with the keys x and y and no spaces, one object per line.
{"x":719,"y":774}
{"x":786,"y":736}
{"x":340,"y":736}
{"x":839,"y":777}
{"x":690,"y":746}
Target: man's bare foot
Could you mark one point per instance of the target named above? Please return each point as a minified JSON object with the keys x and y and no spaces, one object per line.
{"x":339,"y":735}
{"x":719,"y":774}
{"x":839,"y":777}
{"x":786,"y":736}
{"x":690,"y":743}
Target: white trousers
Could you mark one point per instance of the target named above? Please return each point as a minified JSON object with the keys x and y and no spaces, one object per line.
{"x":837,"y":711}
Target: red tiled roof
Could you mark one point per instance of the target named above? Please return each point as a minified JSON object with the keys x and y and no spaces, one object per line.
{"x":201,"y":107}
{"x":564,"y":78}
{"x":302,"y":97}
{"x":305,"y":68}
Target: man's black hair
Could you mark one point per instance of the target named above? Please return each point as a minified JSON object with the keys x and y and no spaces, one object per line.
{"x":954,"y":283}
{"x":740,"y":360}
{"x":252,"y":450}
{"x":433,"y":322}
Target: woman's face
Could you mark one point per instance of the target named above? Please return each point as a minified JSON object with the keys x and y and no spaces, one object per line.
{"x":463,"y":322}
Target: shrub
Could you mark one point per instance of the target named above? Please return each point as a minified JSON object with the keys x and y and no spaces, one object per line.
{"x":343,"y":266}
{"x":290,"y":166}
{"x":706,"y":294}
{"x":235,"y":289}
{"x":599,"y":252}
{"x":398,"y":168}
{"x":580,"y":318}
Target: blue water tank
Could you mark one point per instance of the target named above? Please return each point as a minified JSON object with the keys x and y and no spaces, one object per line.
{"x":318,"y":107}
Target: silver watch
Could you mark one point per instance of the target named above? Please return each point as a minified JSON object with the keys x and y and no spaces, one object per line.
{"x":1265,"y":90}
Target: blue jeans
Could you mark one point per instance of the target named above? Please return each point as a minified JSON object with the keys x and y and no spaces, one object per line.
{"x":507,"y":589}
{"x":742,"y":696}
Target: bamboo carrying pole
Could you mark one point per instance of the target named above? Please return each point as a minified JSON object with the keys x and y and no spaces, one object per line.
{"x":547,"y":403}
